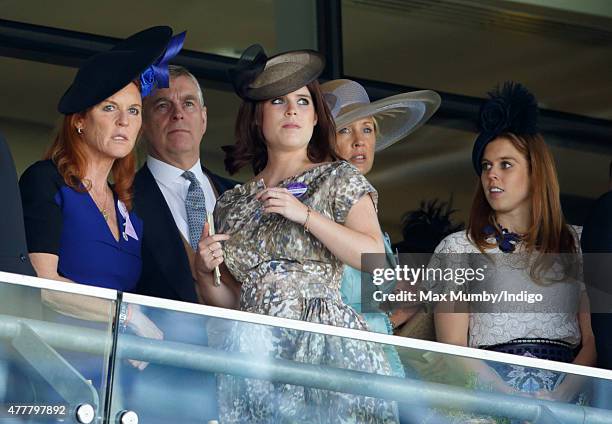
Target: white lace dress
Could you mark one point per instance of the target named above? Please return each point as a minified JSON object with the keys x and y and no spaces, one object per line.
{"x":490,"y":328}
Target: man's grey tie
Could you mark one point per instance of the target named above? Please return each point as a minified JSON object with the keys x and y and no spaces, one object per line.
{"x":195,"y":204}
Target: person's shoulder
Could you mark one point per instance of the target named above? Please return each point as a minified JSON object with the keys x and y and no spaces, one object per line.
{"x":600,"y":213}
{"x":42,"y":166}
{"x":337,"y":167}
{"x":604,"y":202}
{"x":344,"y":177}
{"x":597,"y":235}
{"x":235,"y":193}
{"x":457,"y":237}
{"x":607,"y":197}
{"x":338,"y":171}
{"x":144,"y":169}
{"x":228,"y":182}
{"x":142,"y":175}
{"x":457,"y":242}
{"x":42,"y":171}
{"x":222,"y":184}
{"x":39,"y":183}
{"x":342,"y":166}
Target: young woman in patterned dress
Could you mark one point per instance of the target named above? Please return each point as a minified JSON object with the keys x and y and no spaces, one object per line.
{"x":286,"y":236}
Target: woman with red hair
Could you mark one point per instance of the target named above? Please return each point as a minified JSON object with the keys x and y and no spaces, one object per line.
{"x":79,"y":227}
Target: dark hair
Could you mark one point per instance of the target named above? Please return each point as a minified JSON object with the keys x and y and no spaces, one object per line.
{"x":250,"y":146}
{"x":424,"y":228}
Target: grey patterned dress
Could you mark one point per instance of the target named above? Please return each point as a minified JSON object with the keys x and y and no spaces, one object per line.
{"x":286,"y":272}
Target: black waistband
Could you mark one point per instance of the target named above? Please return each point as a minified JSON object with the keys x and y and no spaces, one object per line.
{"x":554,"y":350}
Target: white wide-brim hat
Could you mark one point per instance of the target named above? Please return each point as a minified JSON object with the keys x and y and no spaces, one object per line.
{"x":396,"y":116}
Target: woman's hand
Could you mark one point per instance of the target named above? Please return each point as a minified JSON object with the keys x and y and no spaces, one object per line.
{"x":281,"y":201}
{"x":400,"y":316}
{"x":360,"y":232}
{"x":566,"y":391}
{"x":143,"y":327}
{"x":210,"y":251}
{"x":435,"y":368}
{"x":558,"y":395}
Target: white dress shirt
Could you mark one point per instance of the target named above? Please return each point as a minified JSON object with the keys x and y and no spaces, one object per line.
{"x":174,"y":188}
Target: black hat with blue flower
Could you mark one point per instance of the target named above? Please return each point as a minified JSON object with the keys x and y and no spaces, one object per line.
{"x":509,"y":109}
{"x":143,"y":56}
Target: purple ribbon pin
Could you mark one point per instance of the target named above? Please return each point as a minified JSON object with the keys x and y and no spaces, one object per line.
{"x":297,"y":189}
{"x":129,"y":228}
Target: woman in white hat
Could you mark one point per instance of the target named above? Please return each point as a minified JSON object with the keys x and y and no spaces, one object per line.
{"x":362,"y":129}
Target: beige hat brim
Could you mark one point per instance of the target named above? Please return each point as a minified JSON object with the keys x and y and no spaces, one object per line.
{"x":286,"y":73}
{"x":396,"y":116}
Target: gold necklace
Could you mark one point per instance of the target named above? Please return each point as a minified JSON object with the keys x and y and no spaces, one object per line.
{"x":103,"y":210}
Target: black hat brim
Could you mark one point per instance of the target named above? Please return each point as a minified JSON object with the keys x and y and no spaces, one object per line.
{"x":104,"y":74}
{"x":480,"y":144}
{"x":153,"y":40}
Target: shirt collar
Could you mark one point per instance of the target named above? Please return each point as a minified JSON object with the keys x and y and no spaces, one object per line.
{"x":168,"y":174}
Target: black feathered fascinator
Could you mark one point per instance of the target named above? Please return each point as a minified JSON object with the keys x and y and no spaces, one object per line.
{"x":511,"y":109}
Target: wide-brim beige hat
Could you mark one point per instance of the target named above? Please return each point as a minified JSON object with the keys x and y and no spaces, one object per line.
{"x":257,"y":77}
{"x":396,"y":116}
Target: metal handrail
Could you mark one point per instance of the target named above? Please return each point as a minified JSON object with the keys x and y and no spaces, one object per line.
{"x":367,"y":336}
{"x":234,"y":315}
{"x":302,"y":374}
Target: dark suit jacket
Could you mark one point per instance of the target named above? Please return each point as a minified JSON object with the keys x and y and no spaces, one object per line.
{"x":597,"y":249}
{"x":13,"y":249}
{"x":165,"y":266}
{"x":14,"y":299}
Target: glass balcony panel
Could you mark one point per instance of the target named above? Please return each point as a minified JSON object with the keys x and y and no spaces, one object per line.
{"x":216,"y":364}
{"x":54,"y":356}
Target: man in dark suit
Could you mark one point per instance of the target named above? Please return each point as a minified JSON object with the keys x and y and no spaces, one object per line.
{"x":174,"y":122}
{"x":172,"y":194}
{"x":21,"y":380}
{"x":14,"y":299}
{"x":13,"y":250}
{"x":597,"y":253}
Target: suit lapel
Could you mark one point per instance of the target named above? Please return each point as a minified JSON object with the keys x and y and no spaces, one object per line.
{"x":220,"y":184}
{"x":215,"y":182}
{"x":162,"y":237}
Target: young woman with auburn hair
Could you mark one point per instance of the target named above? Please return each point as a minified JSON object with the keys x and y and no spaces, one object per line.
{"x":250,"y":147}
{"x":516,"y":213}
{"x":285,"y":236}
